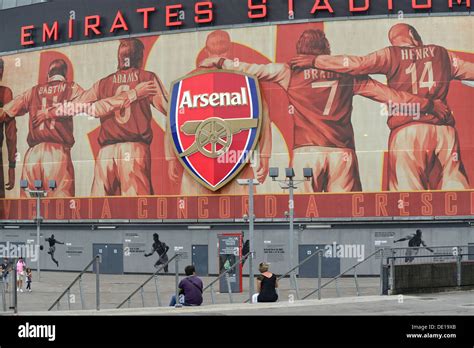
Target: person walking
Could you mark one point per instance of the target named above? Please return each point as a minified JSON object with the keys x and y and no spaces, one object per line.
{"x":6,"y":268}
{"x":20,"y":271}
{"x":29,"y":279}
{"x":267,"y":284}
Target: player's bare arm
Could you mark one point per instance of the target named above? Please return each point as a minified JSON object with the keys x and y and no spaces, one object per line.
{"x":374,"y":63}
{"x":461,"y":69}
{"x":101,"y":107}
{"x":377,"y":91}
{"x":11,"y":140}
{"x":272,"y":72}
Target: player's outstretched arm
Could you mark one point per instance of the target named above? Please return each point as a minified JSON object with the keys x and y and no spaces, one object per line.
{"x":372,"y":89}
{"x":19,"y":105}
{"x":374,"y":63}
{"x":272,"y":72}
{"x":461,"y":69}
{"x":265,"y":145}
{"x":11,"y":140}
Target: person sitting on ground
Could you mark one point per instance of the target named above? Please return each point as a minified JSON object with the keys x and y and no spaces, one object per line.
{"x":267,"y":284}
{"x":190,"y":289}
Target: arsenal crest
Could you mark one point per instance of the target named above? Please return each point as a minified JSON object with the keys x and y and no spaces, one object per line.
{"x":214,"y":122}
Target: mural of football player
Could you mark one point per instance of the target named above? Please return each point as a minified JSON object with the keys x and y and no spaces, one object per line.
{"x":324,"y":137}
{"x":219,"y":44}
{"x":7,"y":127}
{"x":416,"y":145}
{"x":49,"y":154}
{"x":123,"y":165}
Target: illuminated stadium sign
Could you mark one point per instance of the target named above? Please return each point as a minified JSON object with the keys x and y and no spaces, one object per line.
{"x":68,"y":20}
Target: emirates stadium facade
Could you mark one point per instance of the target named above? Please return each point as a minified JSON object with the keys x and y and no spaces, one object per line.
{"x":143,"y":117}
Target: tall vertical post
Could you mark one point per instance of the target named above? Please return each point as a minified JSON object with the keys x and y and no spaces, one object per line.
{"x":291,"y":206}
{"x":251,"y":240}
{"x":38,"y":222}
{"x":97,"y":283}
{"x":14,"y":288}
{"x":176,"y":266}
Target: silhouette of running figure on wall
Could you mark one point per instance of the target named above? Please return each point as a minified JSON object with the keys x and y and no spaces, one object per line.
{"x":414,"y":242}
{"x":52,"y":248}
{"x":161,"y":249}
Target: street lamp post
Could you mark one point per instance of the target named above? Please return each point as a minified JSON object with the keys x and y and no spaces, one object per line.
{"x":250,"y":183}
{"x":38,"y":193}
{"x":289,"y":184}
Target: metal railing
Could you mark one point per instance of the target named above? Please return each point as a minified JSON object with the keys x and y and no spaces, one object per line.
{"x":3,"y":286}
{"x":439,"y":254}
{"x":430,"y":254}
{"x":354,"y":267}
{"x":225,"y":274}
{"x":96,"y":259}
{"x":153,"y":276}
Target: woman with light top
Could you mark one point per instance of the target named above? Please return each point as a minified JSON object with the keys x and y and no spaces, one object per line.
{"x":20,"y":271}
{"x":267,"y":284}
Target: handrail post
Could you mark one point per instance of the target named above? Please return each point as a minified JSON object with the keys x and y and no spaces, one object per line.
{"x":382,"y":252}
{"x":356,"y":282}
{"x":320,"y":261}
{"x":337,"y":287}
{"x":4,"y":300}
{"x":69,"y":299}
{"x":392,"y":275}
{"x":297,"y":289}
{"x":212,"y":295}
{"x":81,"y":294}
{"x":157,"y":291}
{"x":229,"y":289}
{"x":459,"y":269}
{"x":142,"y":296}
{"x":14,"y":292}
{"x":97,"y":282}
{"x":176,"y":265}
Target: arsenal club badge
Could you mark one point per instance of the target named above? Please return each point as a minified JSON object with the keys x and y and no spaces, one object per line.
{"x":214,"y":123}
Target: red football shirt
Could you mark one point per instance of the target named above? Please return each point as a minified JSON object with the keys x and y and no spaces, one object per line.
{"x":321,"y":101}
{"x":425,"y":70}
{"x":42,"y":97}
{"x":131,"y":124}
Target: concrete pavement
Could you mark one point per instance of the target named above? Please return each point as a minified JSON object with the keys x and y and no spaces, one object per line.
{"x":115,"y":288}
